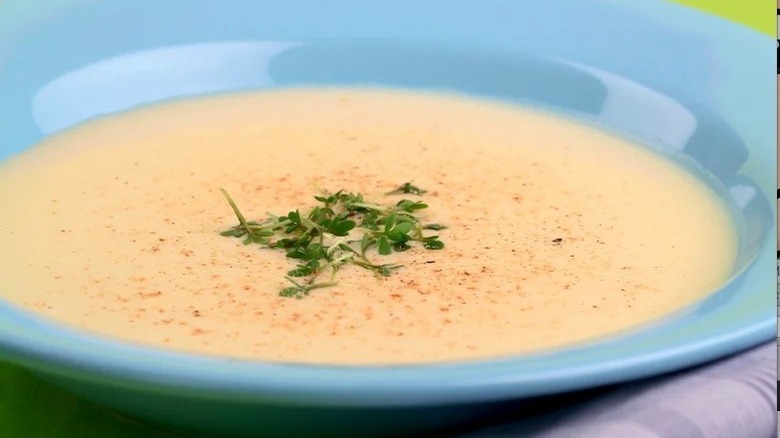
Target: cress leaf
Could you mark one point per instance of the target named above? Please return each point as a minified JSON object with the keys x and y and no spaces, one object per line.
{"x":383,"y":246}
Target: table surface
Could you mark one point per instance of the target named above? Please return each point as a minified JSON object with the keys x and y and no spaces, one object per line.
{"x":23,"y":396}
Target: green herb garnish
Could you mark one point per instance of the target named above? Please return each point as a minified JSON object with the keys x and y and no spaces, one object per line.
{"x":339,"y":230}
{"x":407,"y":188}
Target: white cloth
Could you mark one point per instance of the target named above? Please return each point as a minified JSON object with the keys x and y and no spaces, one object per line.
{"x":732,"y":398}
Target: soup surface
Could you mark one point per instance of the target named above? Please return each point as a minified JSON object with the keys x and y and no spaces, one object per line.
{"x":556,"y":232}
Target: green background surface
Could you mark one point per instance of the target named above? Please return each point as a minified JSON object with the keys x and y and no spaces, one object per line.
{"x":31,"y":408}
{"x":757,"y":14}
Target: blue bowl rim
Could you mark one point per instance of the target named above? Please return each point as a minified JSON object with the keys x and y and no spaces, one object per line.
{"x":124,"y":365}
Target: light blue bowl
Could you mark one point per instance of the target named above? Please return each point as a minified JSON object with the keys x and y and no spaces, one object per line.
{"x":691,"y":85}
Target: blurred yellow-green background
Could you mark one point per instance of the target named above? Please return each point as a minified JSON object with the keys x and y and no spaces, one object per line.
{"x":754,"y":13}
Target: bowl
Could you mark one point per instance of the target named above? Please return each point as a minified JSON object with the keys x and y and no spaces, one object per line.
{"x":690,"y":85}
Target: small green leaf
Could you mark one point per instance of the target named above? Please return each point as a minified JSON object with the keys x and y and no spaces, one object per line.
{"x":433,"y":244}
{"x":284,"y":243}
{"x":313,"y":247}
{"x":389,"y":222}
{"x":365,"y":243}
{"x":342,"y":228}
{"x":293,"y":292}
{"x":404,"y":227}
{"x":401,"y":246}
{"x":395,"y":236}
{"x":407,"y":188}
{"x":259,"y":239}
{"x":300,"y":271}
{"x":304,"y":270}
{"x":296,"y":254}
{"x":411,"y":206}
{"x":383,"y":246}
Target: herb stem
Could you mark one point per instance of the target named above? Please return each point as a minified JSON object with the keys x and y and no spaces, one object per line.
{"x":241,"y":219}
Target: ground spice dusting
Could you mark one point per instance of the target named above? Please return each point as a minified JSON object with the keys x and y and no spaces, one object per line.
{"x":503,"y":270}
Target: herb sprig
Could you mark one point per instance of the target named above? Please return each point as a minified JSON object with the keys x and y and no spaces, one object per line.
{"x":341,"y":229}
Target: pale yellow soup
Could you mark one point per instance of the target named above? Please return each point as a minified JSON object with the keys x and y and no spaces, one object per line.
{"x":558,"y":233}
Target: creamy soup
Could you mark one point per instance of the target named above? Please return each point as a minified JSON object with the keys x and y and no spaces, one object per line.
{"x":557,"y":232}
